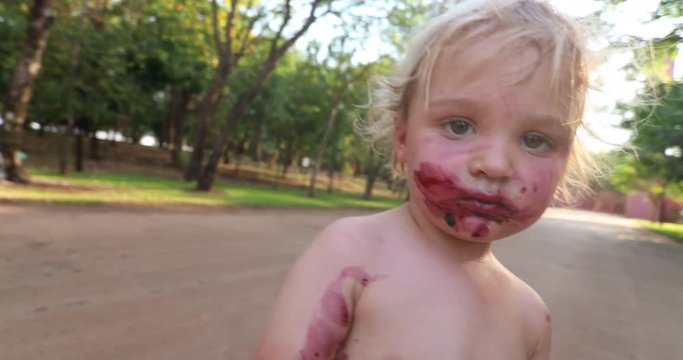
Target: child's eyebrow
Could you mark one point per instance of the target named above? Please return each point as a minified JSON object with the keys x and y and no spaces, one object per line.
{"x":465,"y":104}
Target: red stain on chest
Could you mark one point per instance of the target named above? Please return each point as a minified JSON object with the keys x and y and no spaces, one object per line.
{"x":448,"y":199}
{"x":331,"y":320}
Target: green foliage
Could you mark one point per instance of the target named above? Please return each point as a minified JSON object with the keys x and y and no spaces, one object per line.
{"x":670,"y":8}
{"x":657,"y":59}
{"x":114,"y":65}
{"x":405,"y":16}
{"x":658,"y":137}
{"x":656,"y":121}
{"x":13,"y":16}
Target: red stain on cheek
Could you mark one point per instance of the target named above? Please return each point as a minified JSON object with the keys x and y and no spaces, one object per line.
{"x":331,"y":320}
{"x":523,"y":190}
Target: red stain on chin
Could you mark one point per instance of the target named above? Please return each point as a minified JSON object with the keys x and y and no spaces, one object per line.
{"x":446,"y":198}
{"x":332,"y":319}
{"x":482,"y":230}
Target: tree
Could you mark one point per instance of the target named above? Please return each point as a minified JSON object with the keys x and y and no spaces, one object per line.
{"x":19,"y":93}
{"x":657,"y":122}
{"x":278,"y":44}
{"x":342,"y":78}
{"x":658,"y":137}
{"x":124,"y":69}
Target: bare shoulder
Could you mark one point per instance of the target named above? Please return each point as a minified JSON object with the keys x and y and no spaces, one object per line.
{"x":350,"y":235}
{"x":356,"y":234}
{"x":316,"y":301}
{"x":537,"y":319}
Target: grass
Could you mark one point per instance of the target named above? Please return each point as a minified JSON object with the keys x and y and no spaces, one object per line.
{"x":671,"y":230}
{"x":143,"y":190}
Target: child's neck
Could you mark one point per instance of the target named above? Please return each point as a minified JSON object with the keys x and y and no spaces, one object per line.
{"x":460,"y":250}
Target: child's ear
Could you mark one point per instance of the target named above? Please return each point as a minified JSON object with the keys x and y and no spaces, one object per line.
{"x":400,"y":131}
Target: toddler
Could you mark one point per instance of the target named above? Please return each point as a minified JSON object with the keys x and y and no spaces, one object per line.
{"x":482,"y":115}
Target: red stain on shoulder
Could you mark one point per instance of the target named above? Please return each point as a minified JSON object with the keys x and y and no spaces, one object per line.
{"x":332,"y":318}
{"x":548,"y":318}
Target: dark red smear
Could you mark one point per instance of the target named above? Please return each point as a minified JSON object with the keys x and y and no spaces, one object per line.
{"x":444,"y":194}
{"x":482,"y":230}
{"x":523,"y":190}
{"x":331,"y":320}
{"x":535,"y":187}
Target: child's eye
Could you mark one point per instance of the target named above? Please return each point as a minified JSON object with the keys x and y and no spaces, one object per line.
{"x":459,"y":127}
{"x":536,"y":142}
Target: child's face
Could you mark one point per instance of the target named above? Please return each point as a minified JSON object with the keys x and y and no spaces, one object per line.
{"x":485,"y":151}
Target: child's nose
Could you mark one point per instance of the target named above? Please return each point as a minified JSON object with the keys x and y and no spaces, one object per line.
{"x":493,"y":162}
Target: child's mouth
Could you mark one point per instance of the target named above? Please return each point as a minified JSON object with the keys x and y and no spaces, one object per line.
{"x":459,"y":206}
{"x":497,"y":211}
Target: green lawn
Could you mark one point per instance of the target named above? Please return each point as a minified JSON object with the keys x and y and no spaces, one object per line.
{"x":110,"y":188}
{"x":674,"y":231}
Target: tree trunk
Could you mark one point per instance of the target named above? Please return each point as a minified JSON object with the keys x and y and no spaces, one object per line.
{"x":323,"y":143}
{"x":173,"y":128}
{"x":238,"y":163}
{"x":207,"y":177}
{"x":255,"y":142}
{"x":78,"y":163}
{"x":177,"y":139}
{"x":371,"y":176}
{"x":208,"y":108}
{"x":226,"y":155}
{"x":18,"y":95}
{"x":330,"y":183}
{"x":279,"y":47}
{"x":94,"y":146}
{"x":64,"y":151}
{"x":287,"y":159}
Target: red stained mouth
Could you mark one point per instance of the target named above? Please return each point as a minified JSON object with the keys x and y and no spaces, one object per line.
{"x":448,"y":200}
{"x":497,"y":211}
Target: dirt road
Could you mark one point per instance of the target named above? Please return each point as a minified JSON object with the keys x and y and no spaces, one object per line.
{"x":84,"y":283}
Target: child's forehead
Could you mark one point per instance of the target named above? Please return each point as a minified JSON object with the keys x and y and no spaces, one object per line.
{"x":511,"y":63}
{"x":489,"y":77}
{"x":490,"y":63}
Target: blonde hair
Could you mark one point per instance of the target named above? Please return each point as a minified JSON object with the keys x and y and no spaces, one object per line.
{"x":513,"y":22}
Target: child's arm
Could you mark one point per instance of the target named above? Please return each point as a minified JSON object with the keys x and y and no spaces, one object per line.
{"x":312,"y":315}
{"x":544,"y":326}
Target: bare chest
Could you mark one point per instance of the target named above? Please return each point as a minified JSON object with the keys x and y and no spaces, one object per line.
{"x":423,"y":319}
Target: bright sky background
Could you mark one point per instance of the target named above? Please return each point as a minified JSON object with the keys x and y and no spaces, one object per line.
{"x":631,"y":17}
{"x":628,"y":18}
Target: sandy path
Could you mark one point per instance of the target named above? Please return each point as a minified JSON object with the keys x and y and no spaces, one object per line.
{"x":92,"y":283}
